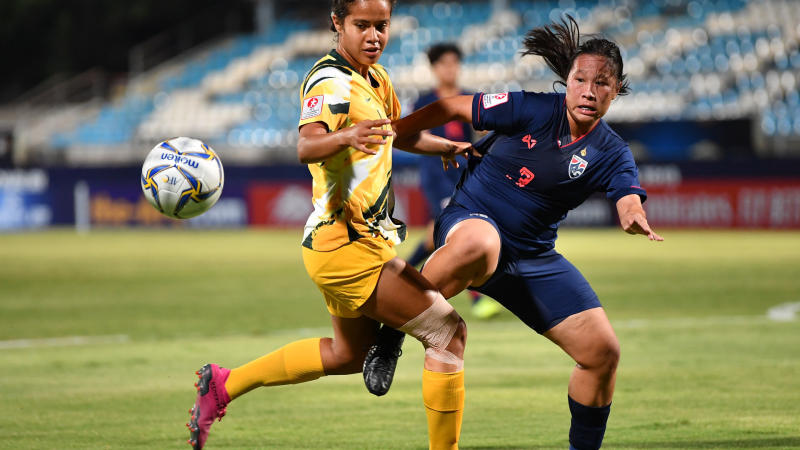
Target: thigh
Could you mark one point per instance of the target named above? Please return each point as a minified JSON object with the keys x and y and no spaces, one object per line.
{"x":541,"y":291}
{"x":453,"y":215}
{"x":400,"y":295}
{"x":468,"y":250}
{"x":468,"y":258}
{"x":585,"y":336}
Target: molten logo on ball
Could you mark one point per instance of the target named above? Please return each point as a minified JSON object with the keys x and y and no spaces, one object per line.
{"x":182,"y":177}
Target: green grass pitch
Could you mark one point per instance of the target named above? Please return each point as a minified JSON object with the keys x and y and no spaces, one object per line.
{"x":702,"y":365}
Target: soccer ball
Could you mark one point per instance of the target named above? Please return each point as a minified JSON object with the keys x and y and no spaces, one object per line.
{"x":182,"y":177}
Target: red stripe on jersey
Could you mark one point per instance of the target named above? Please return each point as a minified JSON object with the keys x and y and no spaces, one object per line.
{"x":480,"y":104}
{"x":582,"y":136}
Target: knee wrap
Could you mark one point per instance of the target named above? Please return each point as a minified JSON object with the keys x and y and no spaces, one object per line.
{"x":435,"y":328}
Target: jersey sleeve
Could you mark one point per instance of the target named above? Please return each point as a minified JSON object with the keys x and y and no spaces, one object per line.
{"x":623,"y":178}
{"x":326,"y":100}
{"x":510,"y":112}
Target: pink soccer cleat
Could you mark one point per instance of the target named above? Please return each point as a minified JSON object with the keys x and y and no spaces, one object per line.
{"x":212,"y":399}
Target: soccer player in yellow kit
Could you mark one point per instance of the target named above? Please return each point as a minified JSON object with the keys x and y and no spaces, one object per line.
{"x":348,"y":244}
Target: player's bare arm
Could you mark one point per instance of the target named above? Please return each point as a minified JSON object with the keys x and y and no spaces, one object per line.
{"x":411,"y":138}
{"x":423,"y":143}
{"x":633,"y":219}
{"x":437,"y":113}
{"x":316,"y":144}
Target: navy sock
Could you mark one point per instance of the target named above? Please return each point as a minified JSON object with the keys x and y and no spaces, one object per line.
{"x":588,"y":425}
{"x":419,"y":255}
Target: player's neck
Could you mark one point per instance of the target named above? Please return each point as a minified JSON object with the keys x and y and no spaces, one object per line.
{"x":360,"y":68}
{"x":578,"y":130}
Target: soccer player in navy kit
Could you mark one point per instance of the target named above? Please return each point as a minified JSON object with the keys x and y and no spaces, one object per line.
{"x":547,"y":154}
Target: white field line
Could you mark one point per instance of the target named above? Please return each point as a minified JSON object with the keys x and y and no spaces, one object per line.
{"x":689,"y":322}
{"x":66,"y":341}
{"x":785,"y":312}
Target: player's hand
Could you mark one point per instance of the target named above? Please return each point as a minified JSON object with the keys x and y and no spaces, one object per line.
{"x":455,"y":149}
{"x":635,"y":223}
{"x":366,"y":133}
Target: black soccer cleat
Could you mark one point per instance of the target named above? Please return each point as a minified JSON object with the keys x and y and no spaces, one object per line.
{"x":381,"y":360}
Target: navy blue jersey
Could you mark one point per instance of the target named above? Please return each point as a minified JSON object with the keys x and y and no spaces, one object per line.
{"x":430,"y":167}
{"x":531,"y":176}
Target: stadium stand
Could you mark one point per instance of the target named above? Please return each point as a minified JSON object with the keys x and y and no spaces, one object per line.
{"x":686,"y":60}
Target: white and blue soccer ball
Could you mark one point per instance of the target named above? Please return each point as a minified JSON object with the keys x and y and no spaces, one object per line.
{"x":182,"y":177}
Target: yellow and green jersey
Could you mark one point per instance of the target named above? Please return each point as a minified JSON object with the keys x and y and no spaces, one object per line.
{"x":352,"y":190}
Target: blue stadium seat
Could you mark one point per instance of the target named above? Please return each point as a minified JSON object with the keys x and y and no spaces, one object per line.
{"x":272,"y":95}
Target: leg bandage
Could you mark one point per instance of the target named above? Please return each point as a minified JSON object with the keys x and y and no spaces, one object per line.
{"x":435,"y":328}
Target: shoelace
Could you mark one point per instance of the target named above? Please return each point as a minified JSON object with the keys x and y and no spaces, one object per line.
{"x":385,"y":350}
{"x":221,"y":410}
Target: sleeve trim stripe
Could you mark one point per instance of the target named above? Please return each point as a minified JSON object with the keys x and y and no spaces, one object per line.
{"x":314,"y":83}
{"x":480,"y":101}
{"x":318,"y":70}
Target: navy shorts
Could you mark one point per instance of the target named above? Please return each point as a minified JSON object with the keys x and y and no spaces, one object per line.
{"x":541,"y":290}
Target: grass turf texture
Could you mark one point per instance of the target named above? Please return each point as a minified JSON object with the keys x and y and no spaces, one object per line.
{"x":702,"y":366}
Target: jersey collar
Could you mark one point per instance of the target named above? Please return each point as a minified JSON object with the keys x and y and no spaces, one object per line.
{"x":565,"y":131}
{"x":341,"y":60}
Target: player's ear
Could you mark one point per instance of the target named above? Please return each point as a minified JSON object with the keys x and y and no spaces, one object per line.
{"x":337,"y":23}
{"x":617,"y":87}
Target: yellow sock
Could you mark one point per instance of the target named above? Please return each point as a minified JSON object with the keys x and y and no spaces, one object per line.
{"x":443,"y":395}
{"x":293,"y":363}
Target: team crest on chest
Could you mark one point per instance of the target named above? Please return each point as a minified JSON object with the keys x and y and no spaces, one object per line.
{"x":577,"y":166}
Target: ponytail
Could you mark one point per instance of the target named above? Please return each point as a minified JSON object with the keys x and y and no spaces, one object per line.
{"x":557,"y":43}
{"x":560,"y":43}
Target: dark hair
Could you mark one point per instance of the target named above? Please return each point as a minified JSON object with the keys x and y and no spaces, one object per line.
{"x":341,"y":9}
{"x":560,"y":43}
{"x":438,"y":50}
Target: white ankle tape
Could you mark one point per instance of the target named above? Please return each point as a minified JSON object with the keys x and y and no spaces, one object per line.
{"x":435,"y":328}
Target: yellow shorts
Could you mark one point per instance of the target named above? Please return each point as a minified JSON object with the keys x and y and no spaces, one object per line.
{"x":348,"y":275}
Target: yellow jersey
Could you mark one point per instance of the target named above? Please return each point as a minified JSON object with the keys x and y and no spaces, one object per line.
{"x":352,"y":190}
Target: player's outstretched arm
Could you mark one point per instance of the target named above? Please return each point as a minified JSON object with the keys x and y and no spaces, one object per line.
{"x":633,"y":219}
{"x":427,"y":144}
{"x":433,"y":115}
{"x":411,"y":138}
{"x":316,"y":144}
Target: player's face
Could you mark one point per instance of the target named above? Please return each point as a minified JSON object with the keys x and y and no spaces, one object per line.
{"x":446,"y":69}
{"x":591,"y":86}
{"x":364,"y":32}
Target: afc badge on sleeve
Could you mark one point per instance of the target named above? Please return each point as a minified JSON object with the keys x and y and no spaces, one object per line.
{"x":492,"y":100}
{"x":577,"y":166}
{"x":312,"y":107}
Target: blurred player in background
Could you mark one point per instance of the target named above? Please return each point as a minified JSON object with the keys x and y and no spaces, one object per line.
{"x":546,"y":155}
{"x":348,"y":245}
{"x":438,"y":184}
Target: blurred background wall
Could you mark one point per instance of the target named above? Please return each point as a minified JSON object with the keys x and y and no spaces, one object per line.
{"x":90,"y":86}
